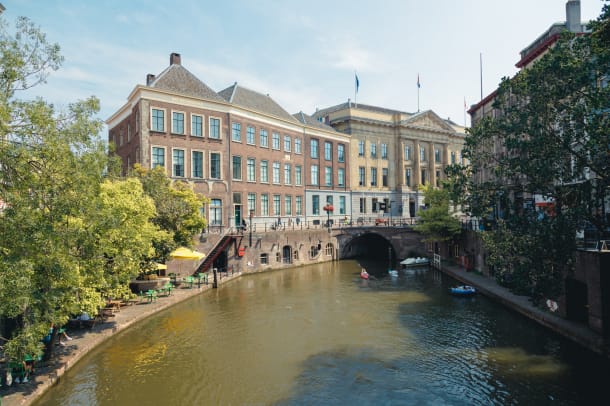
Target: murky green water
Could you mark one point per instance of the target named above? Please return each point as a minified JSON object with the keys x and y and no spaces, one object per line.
{"x":321,"y":335}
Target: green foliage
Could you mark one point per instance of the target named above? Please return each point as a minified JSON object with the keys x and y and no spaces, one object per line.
{"x":553,"y":127}
{"x":437,"y":222}
{"x":178,"y":206}
{"x":72,"y":233}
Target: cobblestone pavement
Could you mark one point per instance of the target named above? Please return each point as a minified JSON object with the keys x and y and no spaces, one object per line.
{"x":85,"y":340}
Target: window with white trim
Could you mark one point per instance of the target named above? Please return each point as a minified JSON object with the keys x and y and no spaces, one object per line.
{"x":196,"y":125}
{"x":177,"y":122}
{"x":158,"y":157}
{"x":214,"y":128}
{"x":157,"y":120}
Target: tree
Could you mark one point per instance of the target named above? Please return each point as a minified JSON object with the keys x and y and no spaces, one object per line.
{"x":437,"y":222}
{"x":72,"y":233}
{"x":551,"y":139}
{"x":178,"y":206}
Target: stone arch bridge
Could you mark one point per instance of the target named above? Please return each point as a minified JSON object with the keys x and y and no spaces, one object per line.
{"x":373,"y":242}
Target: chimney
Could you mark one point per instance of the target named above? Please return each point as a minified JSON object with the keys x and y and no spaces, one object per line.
{"x":174,"y":59}
{"x":149,"y":79}
{"x":573,"y":23}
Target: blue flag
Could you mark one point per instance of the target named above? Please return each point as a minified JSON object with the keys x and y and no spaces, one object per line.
{"x":357,"y":83}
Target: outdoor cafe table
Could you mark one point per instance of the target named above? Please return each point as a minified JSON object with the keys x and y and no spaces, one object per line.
{"x":189,"y":280}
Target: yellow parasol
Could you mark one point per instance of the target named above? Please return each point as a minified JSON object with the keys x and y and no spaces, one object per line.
{"x":186,"y":253}
{"x":183,"y":253}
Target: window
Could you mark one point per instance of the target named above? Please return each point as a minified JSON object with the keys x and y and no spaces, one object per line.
{"x":158,"y":120}
{"x":264,"y":138}
{"x":287,"y":143}
{"x":250,"y":135}
{"x":251,"y":170}
{"x":298,"y":175}
{"x":315,"y":204}
{"x":341,"y":177}
{"x":361,"y":176}
{"x":214,"y":165}
{"x":158,"y":157}
{"x":178,"y":163}
{"x":341,"y":153}
{"x":297,"y":146}
{"x":196,"y":125}
{"x":373,"y":150}
{"x":341,"y":204}
{"x":362,"y":205}
{"x":288,"y":205}
{"x":276,"y":172}
{"x":276,"y":205}
{"x":314,"y":149}
{"x":422,"y":154}
{"x":424,"y":177}
{"x":407,"y":152}
{"x":360,"y":148}
{"x":328,"y":176}
{"x":251,"y":204}
{"x":236,"y":167}
{"x":384,"y":177}
{"x":314,"y":174}
{"x":216,"y":212}
{"x":275,"y":141}
{"x":452,"y":157}
{"x":408,"y":177}
{"x":298,"y":201}
{"x":437,"y":155}
{"x":265,"y":171}
{"x":215,"y":128}
{"x":236,"y":132}
{"x":328,"y":151}
{"x":197,"y":164}
{"x":384,"y":151}
{"x":287,"y":174}
{"x":264,"y":205}
{"x":177,"y":122}
{"x":373,"y":176}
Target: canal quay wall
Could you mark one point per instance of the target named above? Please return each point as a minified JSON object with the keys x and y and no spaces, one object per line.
{"x":580,"y":332}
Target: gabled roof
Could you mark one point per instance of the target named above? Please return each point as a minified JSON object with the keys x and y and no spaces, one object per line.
{"x":310,"y":121}
{"x":178,"y":79}
{"x":240,"y":96}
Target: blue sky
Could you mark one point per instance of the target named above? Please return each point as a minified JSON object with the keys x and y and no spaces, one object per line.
{"x":303,"y":54}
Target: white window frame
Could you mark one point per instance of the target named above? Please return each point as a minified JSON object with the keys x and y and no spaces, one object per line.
{"x":164,"y":119}
{"x":210,"y":128}
{"x":183,"y":122}
{"x":202,"y":125}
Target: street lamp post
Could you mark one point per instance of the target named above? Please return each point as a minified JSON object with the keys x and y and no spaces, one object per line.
{"x":328,"y":209}
{"x":251,"y":215}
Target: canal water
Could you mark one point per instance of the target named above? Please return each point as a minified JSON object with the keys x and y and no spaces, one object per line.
{"x":321,"y":335}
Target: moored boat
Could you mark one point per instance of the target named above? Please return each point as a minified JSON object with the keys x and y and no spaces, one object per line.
{"x":463,"y":290}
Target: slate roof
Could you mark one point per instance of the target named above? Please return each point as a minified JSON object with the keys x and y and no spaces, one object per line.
{"x":178,"y":79}
{"x":243,"y":97}
{"x":312,"y":122}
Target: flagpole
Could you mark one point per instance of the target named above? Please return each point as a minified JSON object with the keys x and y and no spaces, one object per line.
{"x":418,"y":86}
